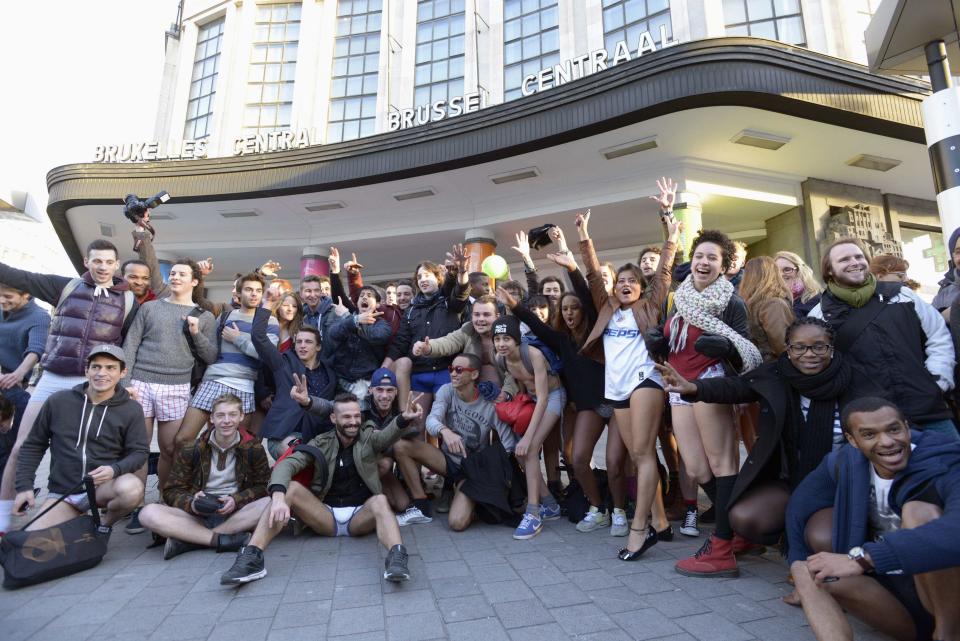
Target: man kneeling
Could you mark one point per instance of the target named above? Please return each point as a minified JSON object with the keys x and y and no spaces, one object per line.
{"x":344,"y":496}
{"x":217,"y":487}
{"x":94,"y":429}
{"x":463,"y":419}
{"x":894,"y":507}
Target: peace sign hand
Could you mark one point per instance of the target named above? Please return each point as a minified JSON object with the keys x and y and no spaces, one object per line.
{"x":368,"y":318}
{"x":299,"y":391}
{"x":413,"y":411}
{"x":334,"y":260}
{"x":582,"y":221}
{"x":352,"y":266}
{"x":339,"y":308}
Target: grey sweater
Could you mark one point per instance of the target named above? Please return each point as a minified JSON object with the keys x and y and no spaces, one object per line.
{"x":157,"y":350}
{"x":471,"y":421}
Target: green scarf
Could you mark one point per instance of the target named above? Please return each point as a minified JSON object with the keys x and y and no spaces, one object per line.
{"x":857,"y":296}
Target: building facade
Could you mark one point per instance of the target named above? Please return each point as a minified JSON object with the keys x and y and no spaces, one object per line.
{"x":394,"y":128}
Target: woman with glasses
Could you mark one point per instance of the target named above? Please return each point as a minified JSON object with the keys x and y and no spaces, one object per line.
{"x":802,"y":395}
{"x":800,"y":279}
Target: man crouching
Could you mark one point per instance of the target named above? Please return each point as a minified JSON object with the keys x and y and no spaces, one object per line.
{"x":343,"y":498}
{"x":217,"y":487}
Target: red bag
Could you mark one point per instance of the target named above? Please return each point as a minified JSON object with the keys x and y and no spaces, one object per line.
{"x":517,"y":413}
{"x":305,"y":476}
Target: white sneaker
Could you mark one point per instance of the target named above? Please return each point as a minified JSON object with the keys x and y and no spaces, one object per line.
{"x":690,"y":522}
{"x":593,"y":520}
{"x":413,"y":515}
{"x":619,"y":527}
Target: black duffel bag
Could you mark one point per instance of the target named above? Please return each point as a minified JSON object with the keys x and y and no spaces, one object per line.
{"x":35,"y":556}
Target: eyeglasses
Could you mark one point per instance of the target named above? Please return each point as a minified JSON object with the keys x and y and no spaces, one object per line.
{"x":819,"y":349}
{"x":459,"y":369}
{"x":788,"y":270}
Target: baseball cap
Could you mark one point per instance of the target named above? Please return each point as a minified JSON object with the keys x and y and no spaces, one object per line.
{"x":108,"y":350}
{"x":383,"y":378}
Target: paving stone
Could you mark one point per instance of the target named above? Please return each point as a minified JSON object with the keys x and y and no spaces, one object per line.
{"x":366,"y":576}
{"x":645,"y":624}
{"x":582,"y":619}
{"x":447,"y":569}
{"x":539,"y":577}
{"x":505,"y":591}
{"x":455,"y":586}
{"x":518,"y":614}
{"x":464,"y":608}
{"x":758,"y":589}
{"x":418,"y":628}
{"x":307,"y":591}
{"x":561,"y":594}
{"x":739,"y":608}
{"x":248,"y":630}
{"x":356,"y":620}
{"x":477,"y":630}
{"x":184,"y":626}
{"x":77,"y":633}
{"x":551,"y":631}
{"x":647,"y":583}
{"x":293,"y":615}
{"x":676,"y":604}
{"x":614,"y":600}
{"x":413,"y":602}
{"x":777,"y":629}
{"x":20,"y":629}
{"x":251,"y":608}
{"x":356,"y":596}
{"x":595,"y":579}
{"x":305,"y":633}
{"x":491,"y":573}
{"x":713,"y":627}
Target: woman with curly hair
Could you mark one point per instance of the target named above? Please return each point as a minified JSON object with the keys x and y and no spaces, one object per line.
{"x":769,"y":306}
{"x":705,"y":336}
{"x":803,"y":285}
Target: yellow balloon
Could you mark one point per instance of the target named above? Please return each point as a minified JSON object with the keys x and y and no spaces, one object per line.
{"x":495,"y":267}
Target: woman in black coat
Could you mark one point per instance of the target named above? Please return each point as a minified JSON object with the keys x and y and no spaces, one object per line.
{"x":802,"y":395}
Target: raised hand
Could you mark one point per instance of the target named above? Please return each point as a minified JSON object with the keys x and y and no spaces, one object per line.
{"x":205,"y":266}
{"x":668,"y":194}
{"x":368,"y":318}
{"x":334,"y":260}
{"x":556,"y":235}
{"x":506,"y":298}
{"x":299,"y":391}
{"x":564,"y":259}
{"x":352,"y":266}
{"x":582,"y":221}
{"x":673,"y":381}
{"x":674,"y":226}
{"x":459,"y":258}
{"x":339,"y":308}
{"x":413,"y":410}
{"x":422,"y":348}
{"x":523,"y":246}
{"x":270,"y":268}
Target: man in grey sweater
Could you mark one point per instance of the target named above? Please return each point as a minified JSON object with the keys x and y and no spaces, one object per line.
{"x":161,"y":361}
{"x":463,"y":419}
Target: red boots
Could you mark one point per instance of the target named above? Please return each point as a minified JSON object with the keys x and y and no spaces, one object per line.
{"x":714,"y":558}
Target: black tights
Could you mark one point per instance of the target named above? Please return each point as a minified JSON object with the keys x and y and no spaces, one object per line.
{"x":759,"y":515}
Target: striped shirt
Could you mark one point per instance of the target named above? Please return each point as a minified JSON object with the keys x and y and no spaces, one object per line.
{"x":238,"y":363}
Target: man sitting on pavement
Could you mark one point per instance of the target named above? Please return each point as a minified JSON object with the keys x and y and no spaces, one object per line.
{"x":891,"y":559}
{"x":95,"y":429}
{"x":463,"y":419}
{"x":217,"y":487}
{"x":344,"y":496}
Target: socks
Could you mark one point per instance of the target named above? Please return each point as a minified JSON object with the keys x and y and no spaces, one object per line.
{"x":533,"y":509}
{"x":690,"y":504}
{"x":710,"y":489}
{"x":548,"y":500}
{"x":6,"y":507}
{"x":724,"y":490}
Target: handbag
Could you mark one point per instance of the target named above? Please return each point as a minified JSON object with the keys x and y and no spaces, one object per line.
{"x":35,"y":556}
{"x":517,"y":412}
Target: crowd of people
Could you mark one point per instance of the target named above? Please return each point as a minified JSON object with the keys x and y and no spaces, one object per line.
{"x":354,"y":408}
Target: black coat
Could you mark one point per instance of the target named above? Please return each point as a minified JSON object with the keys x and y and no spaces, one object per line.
{"x":434,"y":317}
{"x":764,"y":384}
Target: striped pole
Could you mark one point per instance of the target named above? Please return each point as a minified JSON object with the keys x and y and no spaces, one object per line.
{"x":941,"y":124}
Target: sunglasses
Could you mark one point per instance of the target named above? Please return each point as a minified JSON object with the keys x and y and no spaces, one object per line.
{"x":459,"y":369}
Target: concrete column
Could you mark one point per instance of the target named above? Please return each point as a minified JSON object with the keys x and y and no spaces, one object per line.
{"x":478,"y":244}
{"x":690,"y":213}
{"x":941,"y":124}
{"x":313,"y":262}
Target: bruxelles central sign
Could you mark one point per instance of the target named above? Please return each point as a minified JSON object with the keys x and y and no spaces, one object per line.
{"x":547,"y":78}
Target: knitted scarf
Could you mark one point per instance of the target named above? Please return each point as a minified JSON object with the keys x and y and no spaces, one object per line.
{"x":855,"y":297}
{"x":703,"y":310}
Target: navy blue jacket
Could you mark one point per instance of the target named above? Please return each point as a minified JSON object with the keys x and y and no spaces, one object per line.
{"x":842,"y":481}
{"x":434,"y":317}
{"x":357,"y":349}
{"x":286,"y":415}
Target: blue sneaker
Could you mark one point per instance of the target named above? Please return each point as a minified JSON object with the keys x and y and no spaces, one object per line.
{"x":550,"y":513}
{"x":529,"y":527}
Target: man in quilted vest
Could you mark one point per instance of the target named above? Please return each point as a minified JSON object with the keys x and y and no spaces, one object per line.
{"x":227,"y":466}
{"x":94,"y":309}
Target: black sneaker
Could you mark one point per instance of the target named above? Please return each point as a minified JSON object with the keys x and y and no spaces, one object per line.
{"x":395,"y":567}
{"x":174,"y":547}
{"x":248,"y":567}
{"x":232,"y":542}
{"x":134,"y":526}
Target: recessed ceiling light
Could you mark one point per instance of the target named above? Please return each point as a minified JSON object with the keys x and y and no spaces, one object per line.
{"x":239,"y":214}
{"x":162,"y":215}
{"x":876,"y":163}
{"x":420,"y":193}
{"x":108,"y":230}
{"x":337,"y":204}
{"x":632,"y":147}
{"x":760,"y":139}
{"x":513,"y":176}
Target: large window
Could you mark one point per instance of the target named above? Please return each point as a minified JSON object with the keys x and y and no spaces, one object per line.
{"x":272,"y":66}
{"x":531,"y":41}
{"x":439,"y":70}
{"x":772,"y":19}
{"x":627,"y":19}
{"x":203,"y":85}
{"x":356,"y":57}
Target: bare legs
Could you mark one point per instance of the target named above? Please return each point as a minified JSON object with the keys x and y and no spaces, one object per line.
{"x":170,"y":522}
{"x":410,"y":456}
{"x":120,"y":496}
{"x":759,"y":514}
{"x":7,"y":486}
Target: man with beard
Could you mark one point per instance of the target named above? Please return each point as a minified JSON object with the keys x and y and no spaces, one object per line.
{"x":343,"y":498}
{"x":235,"y":369}
{"x":899,"y":340}
{"x":464,"y":419}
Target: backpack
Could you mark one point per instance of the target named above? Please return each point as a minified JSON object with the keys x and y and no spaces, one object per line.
{"x":552,"y":361}
{"x":199,"y":365}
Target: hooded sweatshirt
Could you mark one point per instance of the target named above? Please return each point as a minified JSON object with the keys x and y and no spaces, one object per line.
{"x":82,"y":436}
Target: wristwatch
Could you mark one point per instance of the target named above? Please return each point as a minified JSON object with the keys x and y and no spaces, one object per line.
{"x":860,"y":556}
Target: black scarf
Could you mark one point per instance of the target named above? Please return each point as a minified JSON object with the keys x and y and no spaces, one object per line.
{"x":812,"y":439}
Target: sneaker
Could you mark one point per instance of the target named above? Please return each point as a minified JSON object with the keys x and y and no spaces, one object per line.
{"x":134,"y":526}
{"x":593,"y":520}
{"x":714,"y":558}
{"x":412,"y":515}
{"x":619,"y":527}
{"x":529,"y":527}
{"x":174,"y":547}
{"x":248,"y":567}
{"x":395,"y":565}
{"x":689,"y":527}
{"x":549,"y":512}
{"x":443,"y":503}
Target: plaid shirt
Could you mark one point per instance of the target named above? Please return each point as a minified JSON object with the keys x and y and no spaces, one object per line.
{"x":191,"y":469}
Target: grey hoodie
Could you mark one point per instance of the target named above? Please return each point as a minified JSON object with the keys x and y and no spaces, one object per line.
{"x":82,"y":437}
